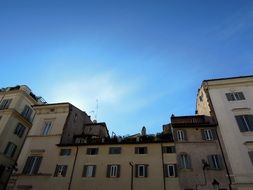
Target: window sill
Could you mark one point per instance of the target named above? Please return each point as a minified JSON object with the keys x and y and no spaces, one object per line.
{"x":38,"y":174}
{"x":247,"y":133}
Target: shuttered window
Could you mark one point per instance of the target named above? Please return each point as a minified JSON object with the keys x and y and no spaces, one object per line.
{"x":245,"y":122}
{"x":170,"y":170}
{"x":168,"y":149}
{"x":5,"y":104}
{"x":32,"y":165}
{"x":184,"y":161}
{"x":113,"y":170}
{"x":19,"y":130}
{"x":141,"y":150}
{"x":208,"y":134}
{"x":27,"y":112}
{"x":215,"y":161}
{"x":10,"y":149}
{"x":46,"y":128}
{"x":251,"y":156}
{"x":141,"y":170}
{"x":181,"y":135}
{"x":89,"y":171}
{"x":60,"y":170}
{"x":235,"y":96}
{"x":92,"y":151}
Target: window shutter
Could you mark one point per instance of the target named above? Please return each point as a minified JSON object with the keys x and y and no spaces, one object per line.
{"x":185,"y":135}
{"x":240,"y":123}
{"x":84,"y":171}
{"x":164,"y":149}
{"x":229,"y":97}
{"x":165,"y":169}
{"x":28,"y":165}
{"x":118,"y":170}
{"x":220,"y":160}
{"x":203,"y":134}
{"x":136,"y":150}
{"x":13,"y":150}
{"x":173,"y":149}
{"x":251,"y":156}
{"x":136,"y":170}
{"x":56,"y":170}
{"x":37,"y":165}
{"x":210,"y":161}
{"x":241,"y":95}
{"x":175,"y":168}
{"x":175,"y":135}
{"x":146,"y":170}
{"x":94,"y":171}
{"x":214,"y":134}
{"x":249,"y":119}
{"x":189,"y":164}
{"x":108,"y":170}
{"x":145,"y":150}
{"x":179,"y":161}
{"x":64,"y":172}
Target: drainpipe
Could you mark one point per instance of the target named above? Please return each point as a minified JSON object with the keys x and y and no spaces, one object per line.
{"x":164,"y":183}
{"x":132,"y":175}
{"x":74,"y":164}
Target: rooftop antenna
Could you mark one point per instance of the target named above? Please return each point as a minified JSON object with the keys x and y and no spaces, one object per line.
{"x":96,"y":115}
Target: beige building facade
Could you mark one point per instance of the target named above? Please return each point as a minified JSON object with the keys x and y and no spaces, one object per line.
{"x":16,"y":116}
{"x":230,"y":101}
{"x":200,"y":158}
{"x":91,"y":160}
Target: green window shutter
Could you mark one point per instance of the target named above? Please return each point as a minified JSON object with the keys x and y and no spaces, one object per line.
{"x":84,"y":171}
{"x":203,"y":134}
{"x":165,"y":169}
{"x":94,"y":171}
{"x":210,"y":162}
{"x":214,"y":134}
{"x":37,"y":165}
{"x":108,"y":170}
{"x":146,"y":170}
{"x":175,"y":167}
{"x":251,"y":156}
{"x":64,"y":172}
{"x":240,"y":123}
{"x":249,"y":119}
{"x":220,"y":161}
{"x":189,"y":164}
{"x":229,"y":96}
{"x":118,"y":170}
{"x":28,"y":165}
{"x":185,"y":134}
{"x":136,"y":170}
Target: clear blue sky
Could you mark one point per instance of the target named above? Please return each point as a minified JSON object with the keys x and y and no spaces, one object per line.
{"x":143,"y":60}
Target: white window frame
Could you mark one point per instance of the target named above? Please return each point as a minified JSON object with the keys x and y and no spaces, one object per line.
{"x":60,"y":169}
{"x":215,"y":160}
{"x":168,"y":170}
{"x":89,"y":171}
{"x":180,"y":135}
{"x":113,"y":171}
{"x":34,"y":161}
{"x":141,"y":167}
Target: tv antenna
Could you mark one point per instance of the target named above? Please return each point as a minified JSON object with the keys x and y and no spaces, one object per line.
{"x":96,"y":115}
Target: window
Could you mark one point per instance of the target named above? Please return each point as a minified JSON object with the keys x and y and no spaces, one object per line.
{"x":141,"y":170}
{"x":89,"y":171}
{"x":184,"y":161}
{"x":208,"y":134}
{"x":5,"y":104}
{"x":113,"y":170}
{"x":141,"y":150}
{"x":32,"y":165}
{"x":215,"y":161}
{"x":170,"y":170}
{"x":168,"y":149}
{"x":92,"y":151}
{"x":181,"y":135}
{"x":60,"y":170}
{"x":114,"y":150}
{"x":10,"y":149}
{"x":235,"y":96}
{"x":27,"y":112}
{"x":47,"y":127}
{"x":2,"y":168}
{"x":65,"y":152}
{"x":19,"y":130}
{"x":245,"y":122}
{"x":251,"y":156}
